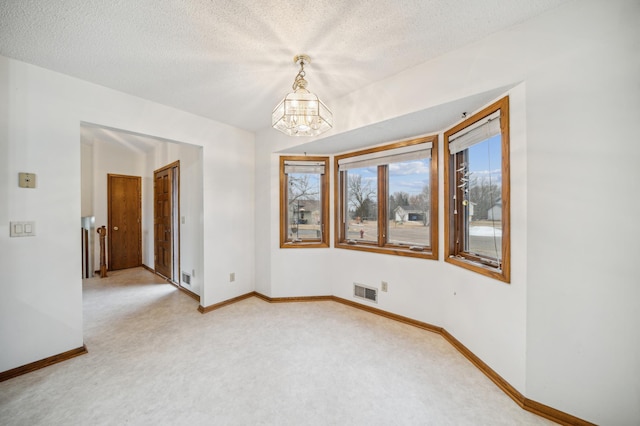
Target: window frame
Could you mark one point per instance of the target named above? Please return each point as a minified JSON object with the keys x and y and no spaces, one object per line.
{"x":323,"y":241}
{"x":381,"y":246}
{"x":453,"y":223}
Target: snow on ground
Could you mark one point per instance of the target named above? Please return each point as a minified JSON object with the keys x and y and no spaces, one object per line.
{"x":484,"y":231}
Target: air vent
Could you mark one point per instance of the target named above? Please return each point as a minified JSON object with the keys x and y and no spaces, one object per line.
{"x":363,"y":292}
{"x":186,"y":278}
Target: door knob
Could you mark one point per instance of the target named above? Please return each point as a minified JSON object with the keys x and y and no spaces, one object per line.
{"x":115,"y":228}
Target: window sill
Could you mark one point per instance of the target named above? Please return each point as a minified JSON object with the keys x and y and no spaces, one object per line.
{"x":480,"y":268}
{"x":304,"y":244}
{"x":425,"y":253}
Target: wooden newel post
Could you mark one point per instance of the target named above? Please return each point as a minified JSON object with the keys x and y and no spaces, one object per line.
{"x":103,"y":262}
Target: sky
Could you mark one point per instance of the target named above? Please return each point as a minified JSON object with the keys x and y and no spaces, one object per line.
{"x":486,"y":155}
{"x":409,"y":177}
{"x":412,"y":176}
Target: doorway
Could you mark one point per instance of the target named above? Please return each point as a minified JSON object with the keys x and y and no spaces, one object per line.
{"x":166,"y":211}
{"x":124,"y":207}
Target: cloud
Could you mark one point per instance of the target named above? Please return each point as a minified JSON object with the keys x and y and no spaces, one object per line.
{"x":486,"y":176}
{"x":486,"y":172}
{"x":409,"y":168}
{"x":410,"y":186}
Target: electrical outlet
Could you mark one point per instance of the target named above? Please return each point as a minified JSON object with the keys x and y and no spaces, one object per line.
{"x":384,"y":286}
{"x":232,"y":277}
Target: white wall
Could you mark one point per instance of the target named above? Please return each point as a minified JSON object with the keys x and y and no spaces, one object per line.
{"x":40,"y":113}
{"x":583,"y":344}
{"x":86,"y":179}
{"x":564,"y":332}
{"x":41,"y":303}
{"x":229,"y":205}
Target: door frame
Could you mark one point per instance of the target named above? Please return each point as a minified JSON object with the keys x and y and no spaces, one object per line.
{"x":109,"y":221}
{"x":175,"y":221}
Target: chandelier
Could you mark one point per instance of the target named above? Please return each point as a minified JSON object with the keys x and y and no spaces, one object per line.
{"x":301,"y":113}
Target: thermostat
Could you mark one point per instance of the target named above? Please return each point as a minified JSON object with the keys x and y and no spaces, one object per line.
{"x":27,"y":180}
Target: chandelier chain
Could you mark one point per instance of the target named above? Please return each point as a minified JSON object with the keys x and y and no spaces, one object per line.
{"x":299,"y":81}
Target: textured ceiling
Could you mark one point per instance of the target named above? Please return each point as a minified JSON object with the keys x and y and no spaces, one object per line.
{"x":232,"y":60}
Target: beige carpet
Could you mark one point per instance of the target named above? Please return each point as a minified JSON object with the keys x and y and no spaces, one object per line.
{"x":155,"y":360}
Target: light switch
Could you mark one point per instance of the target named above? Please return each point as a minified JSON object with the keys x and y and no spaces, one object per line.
{"x":27,"y":180}
{"x":22,"y":229}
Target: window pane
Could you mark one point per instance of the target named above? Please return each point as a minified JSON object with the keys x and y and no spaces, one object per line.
{"x":482,"y":200}
{"x":386,"y":199}
{"x":362,"y":204}
{"x":409,"y":203}
{"x":305,"y":206}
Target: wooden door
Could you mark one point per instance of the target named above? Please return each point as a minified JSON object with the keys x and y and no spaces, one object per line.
{"x":164,"y":221}
{"x":124,"y":199}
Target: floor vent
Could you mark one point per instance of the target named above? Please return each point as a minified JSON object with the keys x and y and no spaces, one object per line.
{"x":186,"y":278}
{"x":363,"y":292}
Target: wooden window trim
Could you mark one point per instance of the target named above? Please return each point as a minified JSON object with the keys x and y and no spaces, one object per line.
{"x":453,"y":254}
{"x":322,"y":242}
{"x":381,"y":246}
